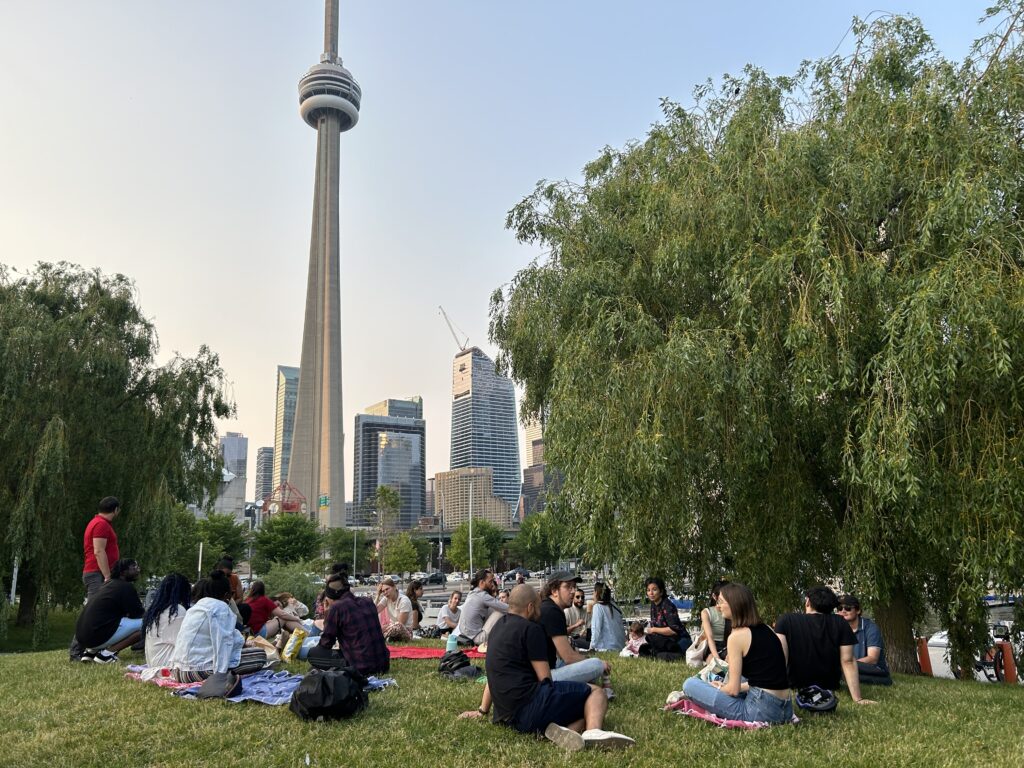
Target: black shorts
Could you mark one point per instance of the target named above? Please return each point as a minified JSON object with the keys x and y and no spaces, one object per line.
{"x":555,"y":702}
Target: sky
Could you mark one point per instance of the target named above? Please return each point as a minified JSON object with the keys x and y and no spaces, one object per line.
{"x":163,"y":141}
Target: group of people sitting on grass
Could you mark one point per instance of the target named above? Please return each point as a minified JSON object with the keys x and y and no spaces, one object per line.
{"x":539,"y":682}
{"x":193,"y":631}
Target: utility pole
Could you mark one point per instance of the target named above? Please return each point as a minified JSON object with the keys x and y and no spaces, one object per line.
{"x":471,"y":571}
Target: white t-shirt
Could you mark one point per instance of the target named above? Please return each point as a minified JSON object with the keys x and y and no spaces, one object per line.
{"x":447,"y":613}
{"x":395,"y":609}
{"x":160,"y":640}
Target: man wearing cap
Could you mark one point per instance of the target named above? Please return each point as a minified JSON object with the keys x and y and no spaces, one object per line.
{"x":522,"y":693}
{"x":870,"y":651}
{"x":481,"y":611}
{"x":565,"y":661}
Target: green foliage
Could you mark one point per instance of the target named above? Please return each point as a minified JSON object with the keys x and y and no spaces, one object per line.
{"x":401,"y":555}
{"x":297,"y":578}
{"x":85,"y":412}
{"x":338,"y":543}
{"x":222,"y":536}
{"x":488,"y":541}
{"x":183,"y":555}
{"x":787,"y":323}
{"x":536,"y":545}
{"x":285,"y":538}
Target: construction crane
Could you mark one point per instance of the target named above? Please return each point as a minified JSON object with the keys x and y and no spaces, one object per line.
{"x":451,"y":327}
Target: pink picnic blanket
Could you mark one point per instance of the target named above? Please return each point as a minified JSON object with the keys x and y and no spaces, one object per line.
{"x":422,"y":652}
{"x":692,"y":709}
{"x":157,"y":676}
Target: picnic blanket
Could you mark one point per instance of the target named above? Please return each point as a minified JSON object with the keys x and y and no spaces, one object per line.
{"x":265,"y":686}
{"x":422,"y":652}
{"x":156,"y":675}
{"x":692,"y":709}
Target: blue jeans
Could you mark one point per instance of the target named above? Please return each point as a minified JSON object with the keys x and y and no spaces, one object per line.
{"x":125,"y":628}
{"x":580,"y":672}
{"x":756,"y":705}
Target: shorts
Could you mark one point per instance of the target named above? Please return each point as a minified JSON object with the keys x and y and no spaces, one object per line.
{"x":560,"y":702}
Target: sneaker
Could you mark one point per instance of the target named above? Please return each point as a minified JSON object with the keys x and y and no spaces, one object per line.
{"x":595,"y":738}
{"x":105,"y":657}
{"x":86,"y":656}
{"x":609,"y":692}
{"x":674,"y":697}
{"x":566,"y":738}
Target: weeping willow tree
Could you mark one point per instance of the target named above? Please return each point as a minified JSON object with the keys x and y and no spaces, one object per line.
{"x":780,"y":338}
{"x":85,"y":413}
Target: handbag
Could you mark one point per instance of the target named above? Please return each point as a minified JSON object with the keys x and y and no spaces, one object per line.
{"x":695,"y":653}
{"x":220,"y":685}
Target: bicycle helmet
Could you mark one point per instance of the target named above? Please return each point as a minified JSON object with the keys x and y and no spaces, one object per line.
{"x":814,"y":698}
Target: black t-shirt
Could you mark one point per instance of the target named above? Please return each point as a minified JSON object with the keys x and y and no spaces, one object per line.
{"x":814,"y":640}
{"x":512,"y":645}
{"x":552,"y":618}
{"x":115,"y":600}
{"x":764,"y":664}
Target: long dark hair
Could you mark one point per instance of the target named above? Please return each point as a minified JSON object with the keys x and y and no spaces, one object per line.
{"x":173,"y":591}
{"x":257,"y":589}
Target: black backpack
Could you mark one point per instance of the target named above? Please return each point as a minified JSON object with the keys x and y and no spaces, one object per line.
{"x":329,"y":694}
{"x":452,"y":661}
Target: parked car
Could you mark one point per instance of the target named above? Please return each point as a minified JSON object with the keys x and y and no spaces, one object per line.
{"x":434,"y":578}
{"x":419,"y":576}
{"x":511,"y":575}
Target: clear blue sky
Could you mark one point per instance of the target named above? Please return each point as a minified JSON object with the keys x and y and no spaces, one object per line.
{"x":162,"y":140}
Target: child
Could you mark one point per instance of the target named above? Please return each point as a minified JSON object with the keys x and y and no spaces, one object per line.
{"x":635,"y":640}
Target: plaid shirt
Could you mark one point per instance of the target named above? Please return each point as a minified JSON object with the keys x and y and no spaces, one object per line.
{"x":353,"y":622}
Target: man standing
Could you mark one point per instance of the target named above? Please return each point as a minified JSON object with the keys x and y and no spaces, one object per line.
{"x":481,"y":611}
{"x":100,"y":543}
{"x":870,"y":652}
{"x":521,"y":689}
{"x":112,"y":619}
{"x":565,"y":661}
{"x":820,"y":645}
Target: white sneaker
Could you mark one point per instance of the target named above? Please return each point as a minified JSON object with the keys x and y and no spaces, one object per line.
{"x":609,"y":692}
{"x":566,"y":738}
{"x":595,"y":738}
{"x":675,"y":696}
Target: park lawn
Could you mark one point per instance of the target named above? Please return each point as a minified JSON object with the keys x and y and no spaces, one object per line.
{"x":58,"y":713}
{"x":60,"y":628}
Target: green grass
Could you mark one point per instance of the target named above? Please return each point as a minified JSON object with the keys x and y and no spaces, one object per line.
{"x":56,"y":713}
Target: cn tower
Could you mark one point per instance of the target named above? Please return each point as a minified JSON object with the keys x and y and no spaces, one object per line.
{"x":329,"y":102}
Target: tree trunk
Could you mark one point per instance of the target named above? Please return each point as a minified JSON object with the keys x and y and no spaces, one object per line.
{"x":29,"y":591}
{"x":893,"y":618}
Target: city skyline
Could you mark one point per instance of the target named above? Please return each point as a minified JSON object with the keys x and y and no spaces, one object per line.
{"x":469,"y":106}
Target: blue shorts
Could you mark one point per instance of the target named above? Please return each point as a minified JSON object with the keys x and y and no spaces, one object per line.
{"x":558,"y":702}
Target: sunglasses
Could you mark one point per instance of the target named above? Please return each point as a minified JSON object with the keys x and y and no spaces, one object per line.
{"x":846,"y":608}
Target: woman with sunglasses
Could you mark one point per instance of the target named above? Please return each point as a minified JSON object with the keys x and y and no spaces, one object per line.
{"x":756,"y":688}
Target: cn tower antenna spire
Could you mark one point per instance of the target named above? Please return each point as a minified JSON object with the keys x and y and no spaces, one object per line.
{"x":331,"y":29}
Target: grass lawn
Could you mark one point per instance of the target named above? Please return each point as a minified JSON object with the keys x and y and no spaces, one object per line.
{"x":61,"y":627}
{"x":58,"y":713}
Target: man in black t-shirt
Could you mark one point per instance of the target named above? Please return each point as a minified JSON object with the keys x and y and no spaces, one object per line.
{"x":575,"y":666}
{"x":523,"y":694}
{"x":820,"y":645}
{"x":112,"y":619}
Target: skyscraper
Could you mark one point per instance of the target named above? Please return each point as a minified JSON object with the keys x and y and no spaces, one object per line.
{"x":284,"y":421}
{"x":461,"y":491}
{"x":264,"y":473}
{"x":328,"y":101}
{"x":234,"y":449}
{"x":390,"y":449}
{"x":484,"y":427}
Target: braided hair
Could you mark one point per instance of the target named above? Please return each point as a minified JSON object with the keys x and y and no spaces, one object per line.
{"x":173,"y":591}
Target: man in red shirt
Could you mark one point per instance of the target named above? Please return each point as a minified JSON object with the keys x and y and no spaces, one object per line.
{"x":100,"y":546}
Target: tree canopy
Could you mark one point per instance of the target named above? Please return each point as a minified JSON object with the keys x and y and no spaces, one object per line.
{"x":222,"y":536}
{"x":85,"y":412}
{"x":285,"y":538}
{"x":780,"y":336}
{"x":488,"y":541}
{"x":401,"y":554}
{"x":537,"y":543}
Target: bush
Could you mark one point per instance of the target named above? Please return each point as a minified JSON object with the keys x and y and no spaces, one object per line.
{"x":297,"y":578}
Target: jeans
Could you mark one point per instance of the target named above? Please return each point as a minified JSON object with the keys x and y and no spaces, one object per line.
{"x":872,"y":674}
{"x":580,"y":672}
{"x":756,"y":705}
{"x":124,"y":628}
